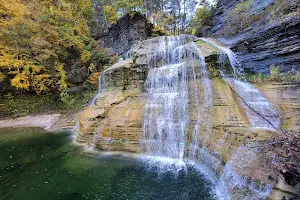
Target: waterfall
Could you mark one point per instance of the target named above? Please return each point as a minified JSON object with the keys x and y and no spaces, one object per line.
{"x":100,"y":88}
{"x":260,"y":112}
{"x":166,"y":113}
{"x":226,"y":53}
{"x":242,"y":187}
{"x":173,"y":63}
{"x":177,"y":125}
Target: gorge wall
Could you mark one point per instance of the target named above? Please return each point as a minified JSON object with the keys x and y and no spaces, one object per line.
{"x":261,"y":32}
{"x":128,"y":30}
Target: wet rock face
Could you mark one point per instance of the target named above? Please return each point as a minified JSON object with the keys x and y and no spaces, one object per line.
{"x":115,"y":122}
{"x":264,"y":43}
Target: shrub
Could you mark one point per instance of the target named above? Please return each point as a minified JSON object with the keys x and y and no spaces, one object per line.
{"x":203,"y":15}
{"x":94,"y":79}
{"x":274,"y":72}
{"x":256,"y":78}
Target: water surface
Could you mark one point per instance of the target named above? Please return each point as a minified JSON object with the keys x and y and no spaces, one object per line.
{"x":40,"y":165}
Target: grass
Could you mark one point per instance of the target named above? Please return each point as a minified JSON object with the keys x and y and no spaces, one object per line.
{"x":280,"y":77}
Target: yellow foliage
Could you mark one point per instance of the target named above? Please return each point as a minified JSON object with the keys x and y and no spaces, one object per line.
{"x":21,"y":81}
{"x":42,"y":83}
{"x":94,"y":79}
{"x":111,"y":14}
{"x":13,"y":12}
{"x":85,"y":56}
{"x":63,"y":85}
{"x":38,"y":38}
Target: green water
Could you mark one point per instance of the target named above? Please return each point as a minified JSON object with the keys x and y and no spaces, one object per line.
{"x":40,"y":165}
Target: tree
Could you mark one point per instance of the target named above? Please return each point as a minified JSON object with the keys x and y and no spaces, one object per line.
{"x":203,"y":14}
{"x":122,"y":7}
{"x":43,"y":42}
{"x":111,"y":14}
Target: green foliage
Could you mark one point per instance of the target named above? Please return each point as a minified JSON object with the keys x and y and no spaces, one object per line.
{"x":116,"y":8}
{"x":274,"y":71}
{"x":25,"y":104}
{"x":203,"y":15}
{"x":241,"y":18}
{"x":78,"y":99}
{"x":275,"y":76}
{"x":127,"y":6}
{"x":282,"y":9}
{"x":171,"y":16}
{"x":157,"y":31}
{"x":256,"y":78}
{"x":111,"y":14}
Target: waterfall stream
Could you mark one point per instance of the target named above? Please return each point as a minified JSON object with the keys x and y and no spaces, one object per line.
{"x":260,"y":112}
{"x":173,"y":62}
{"x":166,"y":113}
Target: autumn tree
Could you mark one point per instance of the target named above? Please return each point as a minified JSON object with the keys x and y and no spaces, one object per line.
{"x":44,"y":43}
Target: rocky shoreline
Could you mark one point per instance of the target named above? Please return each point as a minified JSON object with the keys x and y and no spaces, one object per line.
{"x":49,"y":122}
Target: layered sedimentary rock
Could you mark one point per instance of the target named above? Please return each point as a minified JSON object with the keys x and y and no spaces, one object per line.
{"x":286,"y":97}
{"x":114,"y":122}
{"x":267,"y":40}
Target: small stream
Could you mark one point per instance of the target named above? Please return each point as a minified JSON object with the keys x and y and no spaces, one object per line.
{"x":43,"y":165}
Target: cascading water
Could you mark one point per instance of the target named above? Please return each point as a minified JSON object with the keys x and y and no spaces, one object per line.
{"x":173,"y":62}
{"x":176,"y":74}
{"x":166,"y":113}
{"x":226,"y":53}
{"x":100,"y":88}
{"x":260,"y":112}
{"x":166,"y":116}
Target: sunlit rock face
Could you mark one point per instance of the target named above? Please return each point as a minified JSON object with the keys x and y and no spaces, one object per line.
{"x":115,"y":119}
{"x":286,"y":97}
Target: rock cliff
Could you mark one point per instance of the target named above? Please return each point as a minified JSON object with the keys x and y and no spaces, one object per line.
{"x":270,"y":36}
{"x":115,"y":121}
{"x":128,"y":30}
